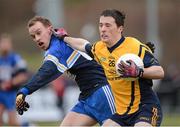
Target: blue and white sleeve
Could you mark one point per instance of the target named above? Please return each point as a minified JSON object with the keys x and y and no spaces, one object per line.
{"x":47,"y":73}
{"x":59,"y":63}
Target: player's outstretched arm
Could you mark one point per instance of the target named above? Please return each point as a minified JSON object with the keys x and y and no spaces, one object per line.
{"x":153,"y":72}
{"x":47,"y":73}
{"x":76,"y":43}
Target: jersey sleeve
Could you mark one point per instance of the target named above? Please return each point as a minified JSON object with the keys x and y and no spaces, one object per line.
{"x":146,"y":54}
{"x":47,"y":73}
{"x":88,"y":48}
{"x":150,"y":60}
{"x":57,"y":59}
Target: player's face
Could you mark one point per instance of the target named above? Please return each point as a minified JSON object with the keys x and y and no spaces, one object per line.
{"x":41,"y":35}
{"x":109,"y":31}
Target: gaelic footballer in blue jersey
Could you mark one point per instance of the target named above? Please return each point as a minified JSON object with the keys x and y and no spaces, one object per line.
{"x":96,"y":102}
{"x":13,"y":73}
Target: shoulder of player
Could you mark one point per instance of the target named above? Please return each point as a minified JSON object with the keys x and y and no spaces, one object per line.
{"x":54,"y":49}
{"x":57,"y":45}
{"x":136,"y":43}
{"x":99,"y":44}
{"x":133,"y":41}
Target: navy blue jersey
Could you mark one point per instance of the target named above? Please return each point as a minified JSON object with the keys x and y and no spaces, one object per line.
{"x":60,"y":58}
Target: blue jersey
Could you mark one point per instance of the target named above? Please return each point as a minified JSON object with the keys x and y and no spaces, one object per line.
{"x":88,"y":74}
{"x":10,"y":64}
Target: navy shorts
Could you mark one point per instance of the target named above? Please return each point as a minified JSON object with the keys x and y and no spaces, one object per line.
{"x":99,"y":106}
{"x":7,"y":98}
{"x":149,"y":113}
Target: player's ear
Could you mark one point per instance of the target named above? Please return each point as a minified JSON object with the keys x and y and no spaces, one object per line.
{"x":120,"y":29}
{"x":50,"y":28}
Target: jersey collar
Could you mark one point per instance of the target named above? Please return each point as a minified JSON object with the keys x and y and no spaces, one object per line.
{"x":117,"y":44}
{"x":51,"y":40}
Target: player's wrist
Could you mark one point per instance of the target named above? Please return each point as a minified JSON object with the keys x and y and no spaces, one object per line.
{"x":63,"y":37}
{"x":20,"y":95}
{"x":23,"y":91}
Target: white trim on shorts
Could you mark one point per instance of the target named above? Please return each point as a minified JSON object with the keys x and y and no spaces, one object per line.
{"x":110,"y":98}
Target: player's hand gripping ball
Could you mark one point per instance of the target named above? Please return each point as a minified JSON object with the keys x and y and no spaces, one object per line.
{"x":130,"y":67}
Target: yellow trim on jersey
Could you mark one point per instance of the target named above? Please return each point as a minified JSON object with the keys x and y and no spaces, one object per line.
{"x":72,"y":59}
{"x":127,"y":94}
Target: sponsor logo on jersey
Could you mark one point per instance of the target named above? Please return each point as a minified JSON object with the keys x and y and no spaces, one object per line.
{"x":102,"y":59}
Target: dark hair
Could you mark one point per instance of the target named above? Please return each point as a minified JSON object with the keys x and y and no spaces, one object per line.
{"x":43,"y":20}
{"x":117,"y":15}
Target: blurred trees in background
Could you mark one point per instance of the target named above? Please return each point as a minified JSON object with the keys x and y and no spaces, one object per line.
{"x":15,"y":14}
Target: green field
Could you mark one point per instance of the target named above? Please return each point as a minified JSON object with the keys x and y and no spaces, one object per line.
{"x":168,"y":120}
{"x":171,"y":120}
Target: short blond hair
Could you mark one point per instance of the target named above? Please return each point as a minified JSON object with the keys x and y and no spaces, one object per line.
{"x":43,"y":20}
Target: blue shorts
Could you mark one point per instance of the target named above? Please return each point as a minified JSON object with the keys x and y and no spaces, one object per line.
{"x":7,"y":98}
{"x":150,"y":113}
{"x":99,"y":106}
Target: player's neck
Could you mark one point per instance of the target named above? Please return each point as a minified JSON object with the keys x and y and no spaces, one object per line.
{"x":113,"y":42}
